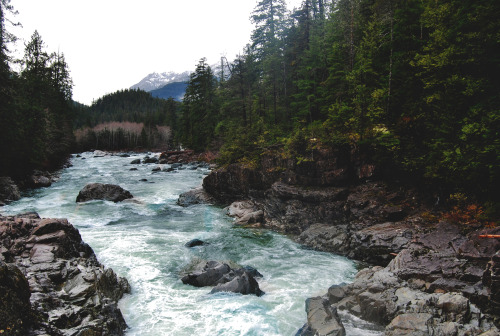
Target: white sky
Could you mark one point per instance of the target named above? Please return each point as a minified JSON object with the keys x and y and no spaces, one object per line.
{"x":113,"y":44}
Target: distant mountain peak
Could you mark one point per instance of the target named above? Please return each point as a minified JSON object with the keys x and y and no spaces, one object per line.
{"x":156,"y":80}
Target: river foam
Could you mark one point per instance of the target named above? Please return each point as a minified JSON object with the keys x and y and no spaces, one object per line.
{"x":143,"y":240}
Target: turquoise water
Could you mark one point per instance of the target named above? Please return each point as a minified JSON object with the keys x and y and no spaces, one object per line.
{"x":143,"y":240}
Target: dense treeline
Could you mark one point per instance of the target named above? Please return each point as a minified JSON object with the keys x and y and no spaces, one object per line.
{"x":36,"y":112}
{"x":415,"y":83}
{"x":132,"y":105}
{"x":127,"y":119}
{"x":113,"y":136}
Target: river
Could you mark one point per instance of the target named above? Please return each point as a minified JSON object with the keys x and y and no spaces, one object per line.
{"x":143,"y":240}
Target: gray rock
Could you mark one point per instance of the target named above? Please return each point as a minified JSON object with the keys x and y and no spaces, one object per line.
{"x":245,"y":213}
{"x":148,"y":159}
{"x":8,"y":190}
{"x":99,"y":191}
{"x":411,"y":324}
{"x":323,"y":319}
{"x":224,"y":278}
{"x":70,"y":292}
{"x":209,"y":275}
{"x":40,"y":179}
{"x":195,"y":196}
{"x":15,"y":307}
{"x":195,"y":242}
{"x":243,"y":284}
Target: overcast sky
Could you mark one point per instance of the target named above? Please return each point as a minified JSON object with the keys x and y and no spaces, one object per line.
{"x":113,"y":44}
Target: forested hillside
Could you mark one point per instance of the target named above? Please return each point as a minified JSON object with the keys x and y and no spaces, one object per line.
{"x":414,"y":84}
{"x":127,"y":119}
{"x":36,"y":112}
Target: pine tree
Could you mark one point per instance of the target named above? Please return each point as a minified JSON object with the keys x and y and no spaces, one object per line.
{"x":200,"y":109}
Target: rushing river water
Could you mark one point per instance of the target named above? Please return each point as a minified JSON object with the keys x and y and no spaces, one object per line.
{"x":143,"y":240}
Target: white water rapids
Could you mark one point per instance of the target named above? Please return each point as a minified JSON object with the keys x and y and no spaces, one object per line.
{"x":143,"y":240}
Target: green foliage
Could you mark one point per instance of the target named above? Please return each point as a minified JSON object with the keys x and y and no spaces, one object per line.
{"x":132,"y":106}
{"x":200,"y":108}
{"x":414,"y":83}
{"x":36,"y":111}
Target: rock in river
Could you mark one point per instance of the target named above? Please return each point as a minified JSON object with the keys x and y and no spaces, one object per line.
{"x":99,"y":191}
{"x":51,"y":282}
{"x":224,"y":278}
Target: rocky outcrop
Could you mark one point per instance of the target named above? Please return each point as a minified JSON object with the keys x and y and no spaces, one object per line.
{"x":246,"y":213}
{"x":379,"y":295}
{"x":322,"y":319}
{"x":56,"y":279}
{"x":15,"y":307}
{"x":8,"y":190}
{"x":39,"y":179}
{"x":195,"y":196}
{"x":99,"y":191}
{"x":224,"y":278}
{"x":333,"y":206}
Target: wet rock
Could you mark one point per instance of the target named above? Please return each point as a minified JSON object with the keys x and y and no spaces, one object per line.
{"x":413,"y":324}
{"x":135,"y":161}
{"x":148,"y":159}
{"x":195,"y":242}
{"x":242,"y":284}
{"x":195,"y":196}
{"x":252,"y":271}
{"x":225,"y":279}
{"x":424,"y":266}
{"x":8,"y":190}
{"x":40,"y":179}
{"x":99,"y":153}
{"x":68,"y":292}
{"x":99,"y":191}
{"x":15,"y":307}
{"x":209,"y":275}
{"x":245,"y":213}
{"x":322,"y":319}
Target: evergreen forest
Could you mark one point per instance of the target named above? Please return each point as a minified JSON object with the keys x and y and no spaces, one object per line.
{"x":414,"y":84}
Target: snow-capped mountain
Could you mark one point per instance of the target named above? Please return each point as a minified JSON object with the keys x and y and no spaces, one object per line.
{"x":157,"y":80}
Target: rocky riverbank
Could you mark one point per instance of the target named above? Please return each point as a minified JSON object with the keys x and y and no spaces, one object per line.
{"x":428,"y":275}
{"x":51,"y":282}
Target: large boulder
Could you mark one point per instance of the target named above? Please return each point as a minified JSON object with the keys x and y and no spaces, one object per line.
{"x":40,"y":179}
{"x":225,"y":279}
{"x":322,"y":319}
{"x":245,"y":213}
{"x":45,"y":262}
{"x":239,"y":282}
{"x":99,"y":191}
{"x":209,"y":275}
{"x":15,"y":307}
{"x":8,"y":190}
{"x":195,"y":196}
{"x":148,"y":159}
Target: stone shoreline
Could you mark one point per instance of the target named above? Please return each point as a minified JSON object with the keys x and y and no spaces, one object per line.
{"x":51,"y":282}
{"x":427,"y":276}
